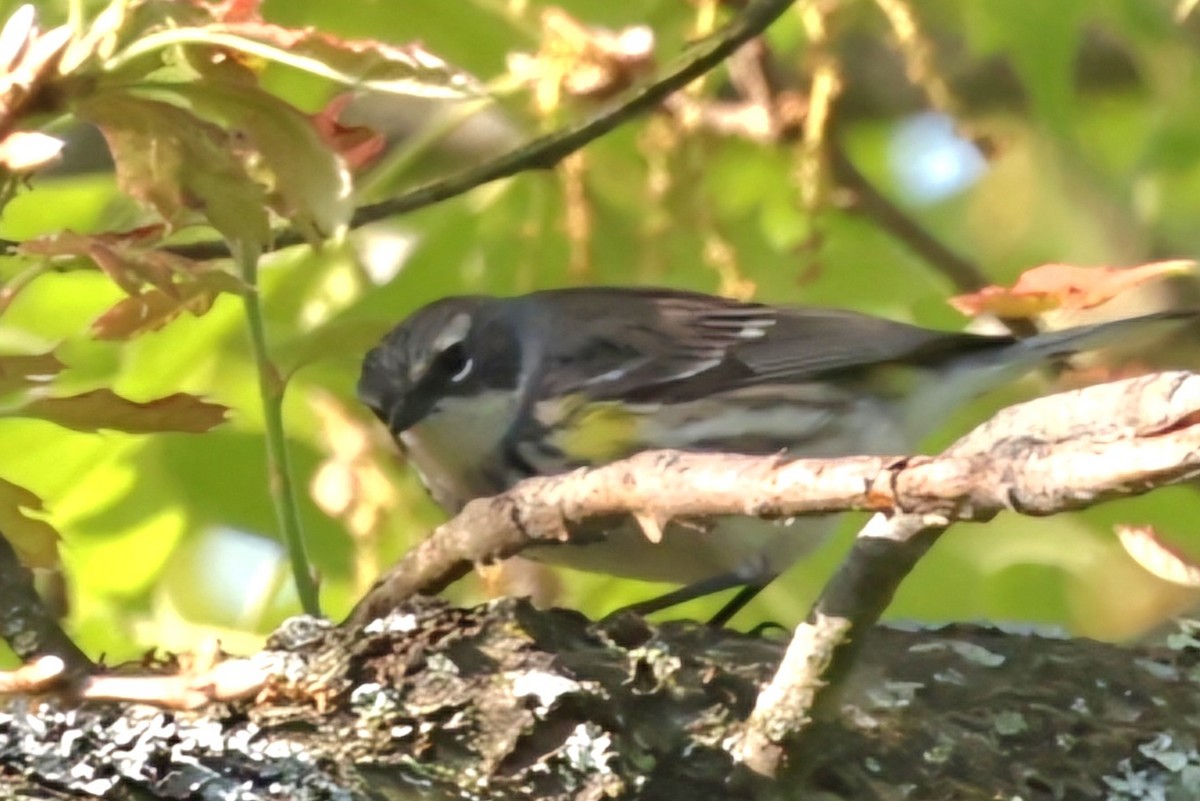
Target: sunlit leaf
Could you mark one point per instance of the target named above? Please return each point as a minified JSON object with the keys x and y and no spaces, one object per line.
{"x":29,"y":59}
{"x":35,"y":540}
{"x":150,"y":310}
{"x":301,"y":178}
{"x":406,"y":69}
{"x":180,"y":164}
{"x":28,"y":151}
{"x":104,"y":409}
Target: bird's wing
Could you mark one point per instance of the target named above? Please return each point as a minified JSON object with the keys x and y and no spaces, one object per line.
{"x":669,"y":346}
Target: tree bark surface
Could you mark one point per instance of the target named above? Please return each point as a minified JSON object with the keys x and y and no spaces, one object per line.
{"x":507,"y":702}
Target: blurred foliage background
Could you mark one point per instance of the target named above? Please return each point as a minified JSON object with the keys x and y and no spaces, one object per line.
{"x":1007,"y":133}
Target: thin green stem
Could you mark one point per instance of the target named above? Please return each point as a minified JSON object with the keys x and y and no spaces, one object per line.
{"x":271,"y":388}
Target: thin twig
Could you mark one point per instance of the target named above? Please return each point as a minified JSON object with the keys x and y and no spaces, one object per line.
{"x":546,"y":151}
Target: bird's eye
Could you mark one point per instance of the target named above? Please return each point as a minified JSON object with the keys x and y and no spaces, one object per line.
{"x":464,"y":372}
{"x":455,"y":363}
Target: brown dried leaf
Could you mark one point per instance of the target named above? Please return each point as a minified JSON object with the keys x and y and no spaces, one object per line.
{"x":69,"y":243}
{"x":152,"y":309}
{"x":104,"y":409}
{"x":124,"y":256}
{"x":1063,"y":286}
{"x":24,"y":371}
{"x":34,"y":540}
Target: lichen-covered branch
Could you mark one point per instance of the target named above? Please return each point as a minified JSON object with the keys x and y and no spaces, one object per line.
{"x":508,"y":702}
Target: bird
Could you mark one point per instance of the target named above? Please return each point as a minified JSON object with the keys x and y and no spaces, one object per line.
{"x":480,"y":392}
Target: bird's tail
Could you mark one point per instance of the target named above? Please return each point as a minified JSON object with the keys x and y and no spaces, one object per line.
{"x":982,"y":371}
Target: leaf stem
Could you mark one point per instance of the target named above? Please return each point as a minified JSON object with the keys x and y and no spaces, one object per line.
{"x":271,"y":388}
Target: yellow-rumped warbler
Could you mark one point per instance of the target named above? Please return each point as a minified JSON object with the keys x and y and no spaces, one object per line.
{"x":482,"y":392}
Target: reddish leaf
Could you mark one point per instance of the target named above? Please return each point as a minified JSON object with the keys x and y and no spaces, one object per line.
{"x":154,"y":308}
{"x":358,"y":145}
{"x":69,"y":243}
{"x":25,"y":371}
{"x":34,"y":540}
{"x":124,"y":256}
{"x":1062,"y":286}
{"x":235,"y":10}
{"x":103,"y":408}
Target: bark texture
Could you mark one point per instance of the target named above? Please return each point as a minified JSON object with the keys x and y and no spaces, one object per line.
{"x":504,"y":701}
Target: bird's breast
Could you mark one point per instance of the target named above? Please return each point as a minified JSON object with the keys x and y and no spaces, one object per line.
{"x":455,"y":448}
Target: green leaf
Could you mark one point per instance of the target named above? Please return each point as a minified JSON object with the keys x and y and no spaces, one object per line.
{"x":306,"y":182}
{"x":1042,"y":39}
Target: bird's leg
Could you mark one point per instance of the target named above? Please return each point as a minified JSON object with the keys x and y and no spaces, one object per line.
{"x":699,"y":589}
{"x":744,"y":596}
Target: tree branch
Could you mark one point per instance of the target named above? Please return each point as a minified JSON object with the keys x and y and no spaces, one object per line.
{"x":1061,"y":452}
{"x":546,"y":151}
{"x":504,"y":701}
{"x":28,"y":628}
{"x":794,"y":708}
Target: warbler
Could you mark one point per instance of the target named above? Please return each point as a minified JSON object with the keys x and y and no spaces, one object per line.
{"x":481,"y":392}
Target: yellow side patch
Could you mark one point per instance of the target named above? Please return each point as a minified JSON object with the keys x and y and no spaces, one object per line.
{"x":598,"y":432}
